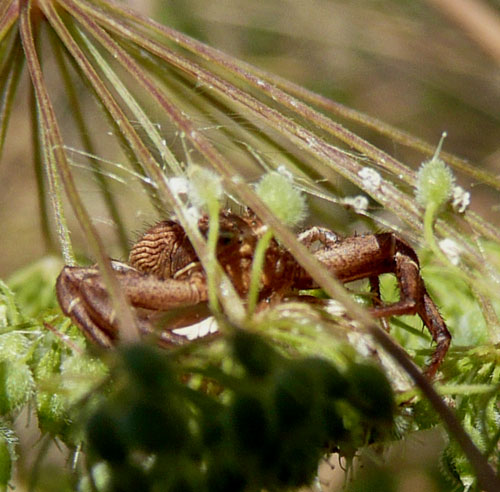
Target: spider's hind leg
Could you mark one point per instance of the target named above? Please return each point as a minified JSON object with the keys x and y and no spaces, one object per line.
{"x":414,"y":299}
{"x":377,"y":300}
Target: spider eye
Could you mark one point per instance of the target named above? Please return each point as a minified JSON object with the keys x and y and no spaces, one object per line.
{"x":225,"y":238}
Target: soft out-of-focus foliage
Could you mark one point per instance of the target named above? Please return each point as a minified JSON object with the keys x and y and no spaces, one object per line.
{"x":269,"y":429}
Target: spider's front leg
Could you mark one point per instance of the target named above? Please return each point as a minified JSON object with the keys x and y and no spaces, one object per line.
{"x":73,"y":304}
{"x":83,"y":297}
{"x":371,"y":255}
{"x":324,"y":239}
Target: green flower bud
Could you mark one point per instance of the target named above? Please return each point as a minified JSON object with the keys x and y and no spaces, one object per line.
{"x":204,"y":187}
{"x":80,"y":374}
{"x":294,"y":396}
{"x":104,"y":437}
{"x":16,"y":383}
{"x":435,"y":181}
{"x":285,"y":201}
{"x":255,"y":354}
{"x":13,"y":346}
{"x":250,"y":423}
{"x":5,"y":462}
{"x":371,"y":392}
{"x":149,"y":369}
{"x":51,"y":406}
{"x":151,"y":427}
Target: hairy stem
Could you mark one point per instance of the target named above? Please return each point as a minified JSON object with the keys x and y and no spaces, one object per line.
{"x":257,"y":264}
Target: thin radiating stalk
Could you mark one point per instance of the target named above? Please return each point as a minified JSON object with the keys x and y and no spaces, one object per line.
{"x":88,"y":145}
{"x":139,"y":114}
{"x":257,"y":264}
{"x":56,"y":161}
{"x":54,"y":188}
{"x":9,"y":81}
{"x":330,"y":160}
{"x":257,"y":78}
{"x":379,"y":126}
{"x":42,"y":192}
{"x":230,"y":300}
{"x":253,"y":75}
{"x":212,"y":240}
{"x":9,"y":13}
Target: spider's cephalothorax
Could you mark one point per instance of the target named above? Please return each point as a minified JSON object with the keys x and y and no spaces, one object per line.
{"x":164,"y":272}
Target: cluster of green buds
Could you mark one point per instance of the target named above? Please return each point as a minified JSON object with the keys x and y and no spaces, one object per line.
{"x":264,"y":424}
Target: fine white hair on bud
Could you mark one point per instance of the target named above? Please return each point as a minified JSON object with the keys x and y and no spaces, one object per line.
{"x":204,"y":186}
{"x":179,"y":185}
{"x":359,"y":203}
{"x":435,"y":180}
{"x":287,"y":202}
{"x":371,"y":178}
{"x":282,"y":169}
{"x":451,"y":249}
{"x":461,"y":199}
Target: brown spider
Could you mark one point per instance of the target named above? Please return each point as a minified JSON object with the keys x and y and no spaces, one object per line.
{"x":164,"y":273}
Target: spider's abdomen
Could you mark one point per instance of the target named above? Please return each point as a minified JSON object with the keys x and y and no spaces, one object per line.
{"x":163,"y":250}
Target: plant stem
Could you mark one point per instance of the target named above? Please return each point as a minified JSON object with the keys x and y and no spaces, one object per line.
{"x":258,"y":262}
{"x":8,"y":298}
{"x":211,"y":264}
{"x":430,"y":215}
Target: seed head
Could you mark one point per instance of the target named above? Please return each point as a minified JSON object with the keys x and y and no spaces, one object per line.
{"x":435,"y":180}
{"x":280,"y":195}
